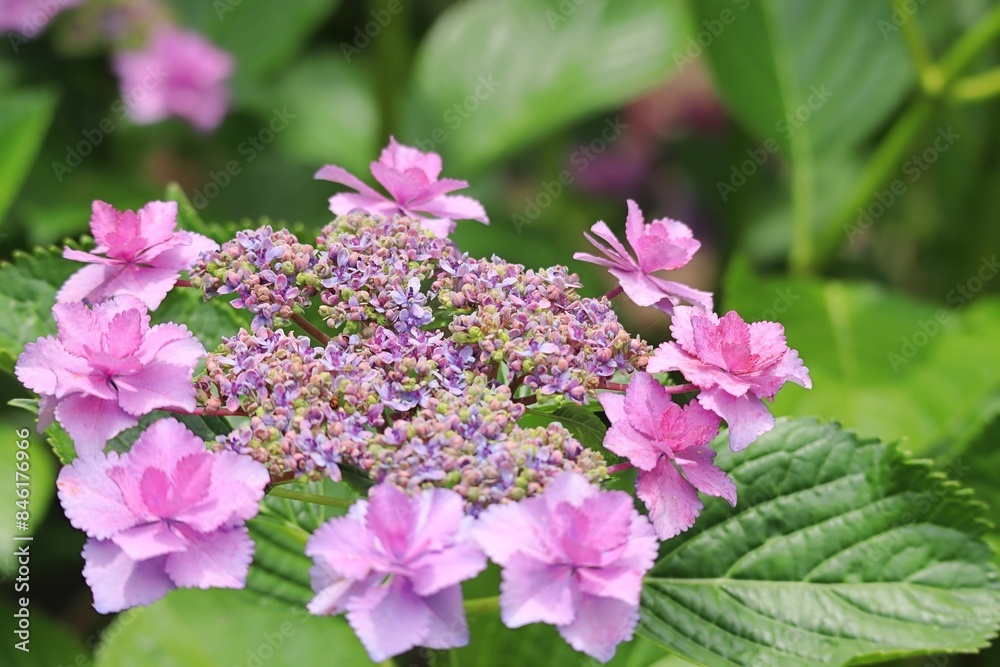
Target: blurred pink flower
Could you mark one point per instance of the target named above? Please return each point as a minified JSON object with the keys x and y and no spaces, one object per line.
{"x":411,"y":178}
{"x":735,"y":365}
{"x":662,"y":245}
{"x":137,"y":253}
{"x":573,"y":557}
{"x":167,"y":514}
{"x":106,"y":368}
{"x":655,"y":435}
{"x":29,"y":17}
{"x":394,"y":563}
{"x":179,"y":73}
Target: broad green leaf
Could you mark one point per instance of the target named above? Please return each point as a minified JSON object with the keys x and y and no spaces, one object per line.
{"x":51,"y":644}
{"x":209,"y":320}
{"x":29,"y":289}
{"x":879,"y":362}
{"x":494,"y":76}
{"x":839,"y":552}
{"x":280,"y":569}
{"x":24,"y":119}
{"x":36,"y":483}
{"x":216,"y":628}
{"x":334,"y":116}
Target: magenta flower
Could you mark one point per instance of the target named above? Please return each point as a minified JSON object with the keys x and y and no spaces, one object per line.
{"x":411,"y":178}
{"x":662,"y":245}
{"x":573,"y":557}
{"x":663,"y":440}
{"x":179,"y":73}
{"x":167,"y":514}
{"x":29,"y":17}
{"x":736,"y":365}
{"x":394,"y":563}
{"x":106,"y":368}
{"x":137,"y":253}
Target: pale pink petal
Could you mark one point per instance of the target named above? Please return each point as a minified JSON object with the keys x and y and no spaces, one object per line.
{"x":157,"y":385}
{"x":149,"y":285}
{"x":569,"y":488}
{"x":344,"y":177}
{"x":672,"y":502}
{"x":389,"y":620}
{"x":593,"y":259}
{"x":401,"y":186}
{"x":602,"y":230}
{"x":454,"y":207}
{"x":103,"y":221}
{"x":614,"y":406}
{"x":535,"y":592}
{"x":91,"y":500}
{"x":640,"y":450}
{"x":157,"y":221}
{"x":403,"y":158}
{"x":90,"y":258}
{"x":693,"y":425}
{"x":391,"y":518}
{"x":87,"y":283}
{"x":646,"y":400}
{"x":46,"y":367}
{"x":440,"y":512}
{"x":171,"y":343}
{"x":682,"y":292}
{"x":600,"y":625}
{"x":345,"y":202}
{"x":704,"y":475}
{"x":503,"y":530}
{"x":149,"y":540}
{"x":791,"y":368}
{"x":658,"y":253}
{"x":439,"y":227}
{"x":236,"y":488}
{"x":181,"y":255}
{"x":46,"y":412}
{"x":92,"y":421}
{"x":163,"y":446}
{"x":117,"y":581}
{"x":448,"y":627}
{"x":345,"y":545}
{"x":438,"y":188}
{"x":635,"y":226}
{"x":219,"y":559}
{"x":332,"y":597}
{"x":621,"y":583}
{"x":638,"y":287}
{"x":746,"y":416}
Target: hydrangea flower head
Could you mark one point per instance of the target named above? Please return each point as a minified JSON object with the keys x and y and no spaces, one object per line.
{"x":736,"y":365}
{"x":663,"y":440}
{"x":167,"y":514}
{"x":138,"y":253}
{"x":179,"y":73}
{"x":573,"y":557}
{"x":662,"y":245}
{"x":412,"y":179}
{"x":106,"y":368}
{"x":394,"y":564}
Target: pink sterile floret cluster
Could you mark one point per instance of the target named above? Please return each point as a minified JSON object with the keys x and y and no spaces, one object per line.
{"x":418,"y":378}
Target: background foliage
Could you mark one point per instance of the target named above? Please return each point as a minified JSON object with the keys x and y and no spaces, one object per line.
{"x":838,"y":158}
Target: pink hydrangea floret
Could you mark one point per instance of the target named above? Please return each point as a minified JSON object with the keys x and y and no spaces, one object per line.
{"x":106,"y":368}
{"x":736,"y":365}
{"x":573,"y":557}
{"x":412,"y":179}
{"x":663,"y":440}
{"x":662,"y":245}
{"x":138,"y":253}
{"x":167,"y":514}
{"x":394,"y":564}
{"x":179,"y":73}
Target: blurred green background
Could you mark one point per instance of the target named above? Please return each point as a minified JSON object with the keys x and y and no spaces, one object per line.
{"x":839,"y":160}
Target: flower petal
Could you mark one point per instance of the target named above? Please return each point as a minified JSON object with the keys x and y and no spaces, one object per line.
{"x":672,"y":502}
{"x":119,"y":582}
{"x":601,"y":624}
{"x":91,"y":500}
{"x":389,"y":619}
{"x":219,"y":559}
{"x":92,"y":421}
{"x":535,"y":592}
{"x":746,"y":416}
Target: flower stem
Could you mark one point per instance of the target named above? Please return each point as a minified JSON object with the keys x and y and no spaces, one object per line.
{"x":613,"y":293}
{"x":614,"y":386}
{"x":314,"y":498}
{"x":482,"y":605}
{"x":977,"y":88}
{"x":182,"y":283}
{"x":680,"y":388}
{"x":308,"y":327}
{"x":527,"y":400}
{"x":205,"y":412}
{"x":619,"y":467}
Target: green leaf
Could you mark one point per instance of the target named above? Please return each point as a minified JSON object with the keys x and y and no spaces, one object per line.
{"x":50,"y":643}
{"x":29,"y":291}
{"x":24,"y":120}
{"x":37,"y":481}
{"x":879,"y":362}
{"x":214,"y":628}
{"x":839,"y":552}
{"x":493,"y":76}
{"x":280,"y":569}
{"x":209,"y":320}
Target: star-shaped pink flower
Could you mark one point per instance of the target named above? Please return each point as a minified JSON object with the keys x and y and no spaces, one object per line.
{"x":167,"y":514}
{"x":663,"y":441}
{"x":662,"y":245}
{"x":412,"y":179}
{"x":138,"y":253}
{"x":736,"y":365}
{"x":573,"y":557}
{"x":394,"y":563}
{"x":179,"y":73}
{"x":107,"y":368}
